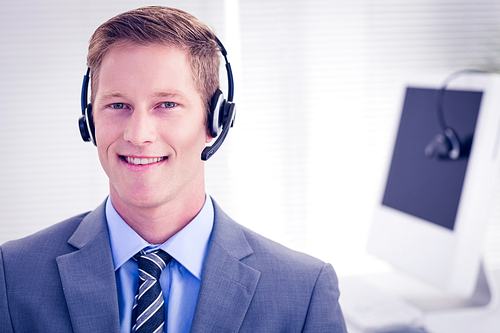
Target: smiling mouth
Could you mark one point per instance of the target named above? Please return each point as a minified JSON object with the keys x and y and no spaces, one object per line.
{"x":143,"y":161}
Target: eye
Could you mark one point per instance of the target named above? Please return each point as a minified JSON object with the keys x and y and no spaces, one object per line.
{"x":169,"y":105}
{"x":118,"y":106}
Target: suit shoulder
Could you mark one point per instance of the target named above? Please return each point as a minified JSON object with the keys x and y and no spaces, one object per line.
{"x":51,"y":237}
{"x":272,"y":250}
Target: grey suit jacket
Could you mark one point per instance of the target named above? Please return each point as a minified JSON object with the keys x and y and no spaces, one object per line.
{"x":62,"y":279}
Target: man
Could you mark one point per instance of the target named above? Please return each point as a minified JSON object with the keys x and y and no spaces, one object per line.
{"x":154,"y":74}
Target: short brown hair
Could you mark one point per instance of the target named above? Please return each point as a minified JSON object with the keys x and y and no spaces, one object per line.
{"x":166,"y":26}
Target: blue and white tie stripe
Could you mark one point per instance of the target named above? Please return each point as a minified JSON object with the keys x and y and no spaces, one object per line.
{"x":148,"y":314}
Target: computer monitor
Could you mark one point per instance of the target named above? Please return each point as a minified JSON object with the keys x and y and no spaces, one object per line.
{"x":433,"y":210}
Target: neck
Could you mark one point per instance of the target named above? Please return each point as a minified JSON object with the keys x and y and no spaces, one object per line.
{"x":156,"y":224}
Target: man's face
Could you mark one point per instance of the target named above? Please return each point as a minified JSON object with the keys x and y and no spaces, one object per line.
{"x":150,"y":125}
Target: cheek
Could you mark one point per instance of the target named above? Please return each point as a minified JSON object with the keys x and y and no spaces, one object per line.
{"x":107,"y":129}
{"x":106,"y":133}
{"x":103,"y":142}
{"x":191,"y":139}
{"x":194,"y":140}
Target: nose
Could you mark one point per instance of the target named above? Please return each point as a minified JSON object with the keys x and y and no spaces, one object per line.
{"x":141,"y":128}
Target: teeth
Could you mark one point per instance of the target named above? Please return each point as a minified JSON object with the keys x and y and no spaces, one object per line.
{"x":143,"y":161}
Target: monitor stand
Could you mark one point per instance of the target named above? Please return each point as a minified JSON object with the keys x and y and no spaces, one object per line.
{"x":484,"y":295}
{"x":479,"y":313}
{"x":485,"y":292}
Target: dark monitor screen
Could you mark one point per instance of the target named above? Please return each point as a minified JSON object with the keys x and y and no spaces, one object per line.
{"x":430,"y":188}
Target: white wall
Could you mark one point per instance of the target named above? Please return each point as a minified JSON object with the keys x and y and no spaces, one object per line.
{"x":318,"y":89}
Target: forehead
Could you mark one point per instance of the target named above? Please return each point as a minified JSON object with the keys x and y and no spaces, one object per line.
{"x":140,"y":67}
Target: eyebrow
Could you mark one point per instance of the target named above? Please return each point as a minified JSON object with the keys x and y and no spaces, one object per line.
{"x":169,"y":94}
{"x":160,"y":94}
{"x":111,"y":95}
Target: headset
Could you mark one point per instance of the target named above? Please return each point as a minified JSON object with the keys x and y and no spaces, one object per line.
{"x":220,"y":118}
{"x":446,"y":145}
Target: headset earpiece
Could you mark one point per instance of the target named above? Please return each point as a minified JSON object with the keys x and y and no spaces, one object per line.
{"x":445,"y":146}
{"x":86,"y":121}
{"x":455,"y":147}
{"x":228,"y":111}
{"x":222,"y":111}
{"x":216,"y":113}
{"x":82,"y":124}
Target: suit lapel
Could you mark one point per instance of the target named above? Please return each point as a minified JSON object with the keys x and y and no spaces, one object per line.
{"x":227,"y":284}
{"x":88,"y":277}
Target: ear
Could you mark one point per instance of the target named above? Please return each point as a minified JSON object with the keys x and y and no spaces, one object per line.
{"x":208,"y":133}
{"x":208,"y":136}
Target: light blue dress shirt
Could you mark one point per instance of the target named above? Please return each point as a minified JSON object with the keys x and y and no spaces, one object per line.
{"x":180,"y":280}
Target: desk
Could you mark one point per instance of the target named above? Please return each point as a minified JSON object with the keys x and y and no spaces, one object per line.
{"x":484,"y":319}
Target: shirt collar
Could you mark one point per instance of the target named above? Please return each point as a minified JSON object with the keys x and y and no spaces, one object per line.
{"x":188,"y":247}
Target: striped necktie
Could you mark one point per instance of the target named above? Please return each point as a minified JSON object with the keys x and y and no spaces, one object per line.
{"x":148,"y":314}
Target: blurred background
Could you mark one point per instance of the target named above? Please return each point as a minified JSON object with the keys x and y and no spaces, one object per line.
{"x":318,"y":86}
